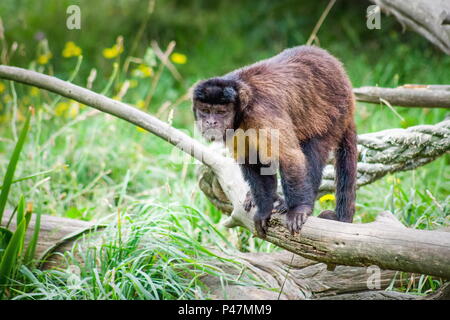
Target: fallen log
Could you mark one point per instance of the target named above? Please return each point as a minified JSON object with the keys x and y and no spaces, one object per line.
{"x":384,"y":243}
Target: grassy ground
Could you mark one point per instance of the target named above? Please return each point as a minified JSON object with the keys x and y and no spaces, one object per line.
{"x":91,"y":166}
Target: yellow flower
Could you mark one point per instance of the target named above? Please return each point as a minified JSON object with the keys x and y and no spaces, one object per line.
{"x":44,"y":58}
{"x":140,"y":104}
{"x":73,"y":109}
{"x":34,"y":92}
{"x":392,"y":179}
{"x":2,"y":87}
{"x":327,"y":197}
{"x":7,"y":98}
{"x":178,"y":58}
{"x":140,"y":129}
{"x":114,"y":51}
{"x":61,"y":108}
{"x":146,"y":70}
{"x":71,"y":50}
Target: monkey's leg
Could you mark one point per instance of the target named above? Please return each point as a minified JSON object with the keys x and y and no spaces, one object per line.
{"x":297,"y":188}
{"x":262,"y":188}
{"x":316,"y":152}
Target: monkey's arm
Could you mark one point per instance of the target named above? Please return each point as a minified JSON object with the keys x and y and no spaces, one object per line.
{"x":263,"y":189}
{"x":297,"y":187}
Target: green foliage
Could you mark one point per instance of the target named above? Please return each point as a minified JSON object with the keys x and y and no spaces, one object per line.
{"x":12,"y":243}
{"x":154,"y":252}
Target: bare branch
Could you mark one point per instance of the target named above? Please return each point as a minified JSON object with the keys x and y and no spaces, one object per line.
{"x":405,"y":96}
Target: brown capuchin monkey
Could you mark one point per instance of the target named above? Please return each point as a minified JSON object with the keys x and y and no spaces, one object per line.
{"x":305,"y":95}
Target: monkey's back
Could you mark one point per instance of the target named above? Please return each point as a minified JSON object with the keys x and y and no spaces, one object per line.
{"x":306,"y":83}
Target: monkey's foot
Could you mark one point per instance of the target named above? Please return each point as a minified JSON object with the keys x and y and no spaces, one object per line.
{"x":261,"y":225}
{"x":248,"y":202}
{"x":328,"y":214}
{"x":279,"y":205}
{"x":296,"y":217}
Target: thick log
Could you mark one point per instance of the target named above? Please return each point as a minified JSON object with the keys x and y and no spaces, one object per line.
{"x":405,"y":96}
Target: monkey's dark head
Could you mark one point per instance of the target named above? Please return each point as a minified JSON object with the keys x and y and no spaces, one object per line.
{"x":218,"y":105}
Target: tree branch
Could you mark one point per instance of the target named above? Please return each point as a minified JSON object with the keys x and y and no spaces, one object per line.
{"x":405,"y":96}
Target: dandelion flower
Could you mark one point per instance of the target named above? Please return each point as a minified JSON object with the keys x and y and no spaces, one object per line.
{"x":140,"y":104}
{"x":73,"y":110}
{"x":143,"y":71}
{"x":178,"y":58}
{"x":34,"y":92}
{"x":44,"y":58}
{"x":71,"y":50}
{"x":327,"y":197}
{"x":146,"y":70}
{"x":113,"y":52}
{"x":61,"y":108}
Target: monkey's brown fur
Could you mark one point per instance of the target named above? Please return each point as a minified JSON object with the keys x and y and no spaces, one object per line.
{"x":305,"y":93}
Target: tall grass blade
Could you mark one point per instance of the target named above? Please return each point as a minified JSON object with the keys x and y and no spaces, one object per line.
{"x":31,"y":249}
{"x":9,"y":258}
{"x":12,"y":165}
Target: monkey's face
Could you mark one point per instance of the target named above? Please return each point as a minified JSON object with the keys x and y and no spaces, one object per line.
{"x":214,"y":119}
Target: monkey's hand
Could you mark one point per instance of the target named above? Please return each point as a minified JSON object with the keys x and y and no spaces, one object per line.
{"x":248,"y":202}
{"x":261,"y":224}
{"x":296,"y":217}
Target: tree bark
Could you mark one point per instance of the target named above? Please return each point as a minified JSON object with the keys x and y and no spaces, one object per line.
{"x":429,"y":18}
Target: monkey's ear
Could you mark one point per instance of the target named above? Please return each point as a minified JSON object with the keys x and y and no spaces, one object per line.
{"x":229,"y":94}
{"x":245,"y":94}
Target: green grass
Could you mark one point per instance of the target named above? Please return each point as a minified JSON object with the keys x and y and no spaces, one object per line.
{"x":90,"y":166}
{"x":155,"y":252}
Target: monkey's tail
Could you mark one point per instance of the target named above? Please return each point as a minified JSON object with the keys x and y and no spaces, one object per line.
{"x":346,"y":160}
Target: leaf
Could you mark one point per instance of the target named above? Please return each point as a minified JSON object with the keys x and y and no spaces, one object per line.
{"x":31,"y":250}
{"x":9,"y":258}
{"x":7,"y":181}
{"x":20,"y":210}
{"x":5,"y":237}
